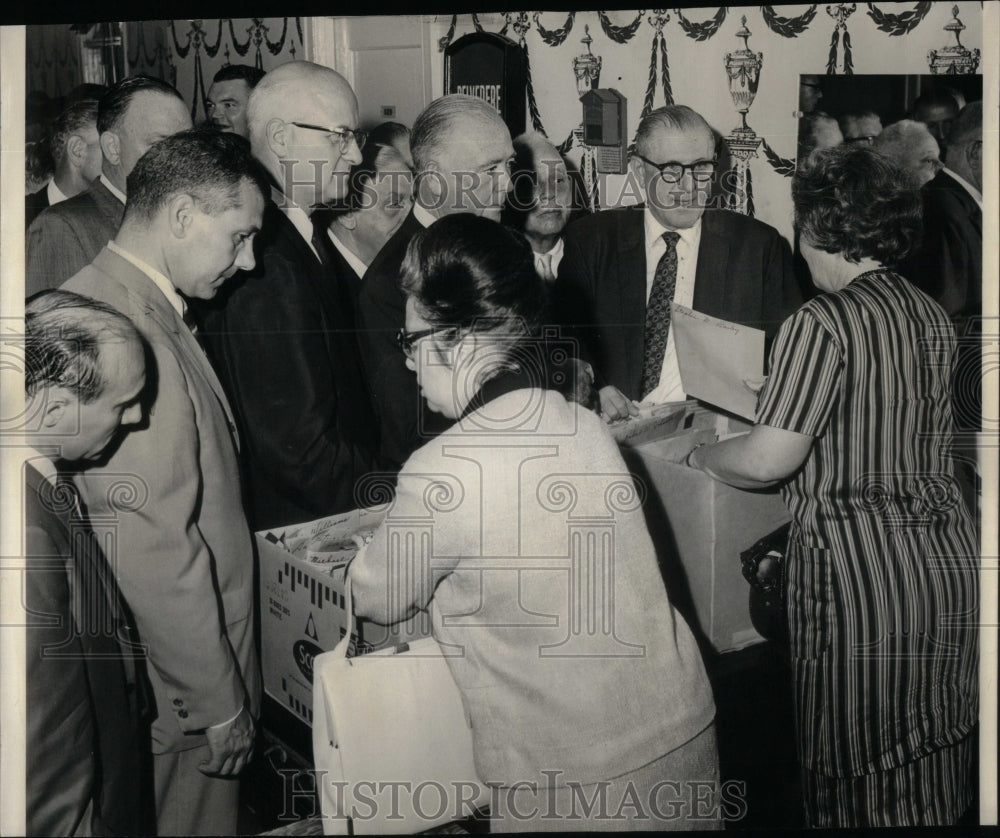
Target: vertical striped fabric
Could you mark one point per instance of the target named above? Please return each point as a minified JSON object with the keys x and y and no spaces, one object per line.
{"x":882,"y":562}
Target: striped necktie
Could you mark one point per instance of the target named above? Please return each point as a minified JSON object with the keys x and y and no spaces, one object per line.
{"x":661,"y":297}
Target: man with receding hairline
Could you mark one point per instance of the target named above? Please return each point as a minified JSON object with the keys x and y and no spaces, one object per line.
{"x":84,"y":377}
{"x":183,"y":546}
{"x":542,"y":200}
{"x":131,"y":116}
{"x":912,"y":147}
{"x":283,"y":335}
{"x":625,"y":268}
{"x":462,"y":154}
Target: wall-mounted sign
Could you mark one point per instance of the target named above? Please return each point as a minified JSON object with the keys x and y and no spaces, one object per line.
{"x":492,"y":68}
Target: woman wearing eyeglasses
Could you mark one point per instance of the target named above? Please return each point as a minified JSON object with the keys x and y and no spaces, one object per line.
{"x":882,"y":569}
{"x":575,"y":669}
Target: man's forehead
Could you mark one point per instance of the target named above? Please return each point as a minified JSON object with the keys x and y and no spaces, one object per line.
{"x":229,"y":89}
{"x":665,"y":138}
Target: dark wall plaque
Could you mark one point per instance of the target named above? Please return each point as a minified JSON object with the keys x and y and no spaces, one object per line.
{"x":489,"y":67}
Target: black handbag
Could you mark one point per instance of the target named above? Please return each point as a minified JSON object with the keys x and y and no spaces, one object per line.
{"x":763,"y":567}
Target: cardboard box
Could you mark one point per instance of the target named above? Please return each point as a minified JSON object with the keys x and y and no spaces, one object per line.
{"x":707,"y":524}
{"x":302,"y":604}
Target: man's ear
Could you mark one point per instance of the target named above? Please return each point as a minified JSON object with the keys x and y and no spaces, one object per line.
{"x":974,"y":157}
{"x":431,"y":184}
{"x":76,"y":149}
{"x":347,"y":220}
{"x":275,"y":132}
{"x":55,"y":403}
{"x":180,"y":214}
{"x":111,"y":148}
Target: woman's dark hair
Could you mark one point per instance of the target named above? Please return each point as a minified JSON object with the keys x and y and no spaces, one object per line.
{"x":853,"y":201}
{"x":473,"y":273}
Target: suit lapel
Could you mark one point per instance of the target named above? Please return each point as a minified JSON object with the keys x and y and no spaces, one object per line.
{"x":630,"y":268}
{"x":148,"y":297}
{"x":107,"y":204}
{"x":711,"y":284}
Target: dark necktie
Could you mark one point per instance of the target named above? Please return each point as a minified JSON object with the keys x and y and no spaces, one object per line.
{"x":321,"y":237}
{"x":661,"y":297}
{"x":190,"y":320}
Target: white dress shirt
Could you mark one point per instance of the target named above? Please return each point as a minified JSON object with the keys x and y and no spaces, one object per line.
{"x":423,"y":215}
{"x":359,"y":267}
{"x":114,"y":190}
{"x":553,"y":257}
{"x":164,"y":284}
{"x":54,"y":193}
{"x":977,"y":196}
{"x":669,"y":388}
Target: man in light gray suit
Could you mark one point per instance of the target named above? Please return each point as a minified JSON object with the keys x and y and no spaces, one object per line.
{"x":66,"y":237}
{"x":177,"y":531}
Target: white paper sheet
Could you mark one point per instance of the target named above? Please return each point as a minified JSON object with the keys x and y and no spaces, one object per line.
{"x":717,"y":358}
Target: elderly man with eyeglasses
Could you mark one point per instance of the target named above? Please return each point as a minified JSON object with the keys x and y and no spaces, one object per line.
{"x":283,"y":337}
{"x":625,"y":267}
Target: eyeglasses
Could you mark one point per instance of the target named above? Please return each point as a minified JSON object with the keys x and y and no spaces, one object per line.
{"x":867,"y":139}
{"x":673,"y":172}
{"x":408,"y":340}
{"x":344,"y":135}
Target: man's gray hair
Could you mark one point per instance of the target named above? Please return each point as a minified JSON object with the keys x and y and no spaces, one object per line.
{"x":897,"y":139}
{"x":673,"y":119}
{"x":968,"y":125}
{"x":436,"y":125}
{"x":64,"y":334}
{"x":76,"y":118}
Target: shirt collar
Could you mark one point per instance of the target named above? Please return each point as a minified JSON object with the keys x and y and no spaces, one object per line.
{"x":114,"y":190}
{"x":299,"y":217}
{"x":654,"y":230}
{"x":423,"y":215}
{"x":968,"y":187}
{"x":159,"y":279}
{"x":54,"y":193}
{"x":554,"y":251}
{"x":352,"y":259}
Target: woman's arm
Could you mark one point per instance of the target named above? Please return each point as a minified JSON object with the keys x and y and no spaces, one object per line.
{"x":761,"y":458}
{"x":395,"y":574}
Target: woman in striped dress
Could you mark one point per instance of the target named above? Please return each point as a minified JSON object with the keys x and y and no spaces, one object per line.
{"x":882,"y":566}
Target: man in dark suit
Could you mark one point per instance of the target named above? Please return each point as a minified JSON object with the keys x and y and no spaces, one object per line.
{"x":948,"y":266}
{"x":283,"y":339}
{"x":624,"y":268}
{"x":462,"y":156}
{"x":183,"y":548}
{"x":66,"y":237}
{"x":76,"y":152}
{"x":84,"y":374}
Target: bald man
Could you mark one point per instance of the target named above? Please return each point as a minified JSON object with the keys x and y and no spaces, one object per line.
{"x":283,"y":337}
{"x":462,"y":157}
{"x":542,"y":200}
{"x":912,"y":147}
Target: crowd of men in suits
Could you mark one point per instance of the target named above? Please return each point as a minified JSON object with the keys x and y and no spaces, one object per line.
{"x":236,"y":299}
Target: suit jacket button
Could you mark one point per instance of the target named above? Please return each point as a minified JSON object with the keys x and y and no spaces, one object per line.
{"x":178,"y":702}
{"x":182,"y":713}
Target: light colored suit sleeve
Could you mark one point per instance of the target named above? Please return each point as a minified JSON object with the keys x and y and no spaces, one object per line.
{"x":54,"y":252}
{"x":151,"y":494}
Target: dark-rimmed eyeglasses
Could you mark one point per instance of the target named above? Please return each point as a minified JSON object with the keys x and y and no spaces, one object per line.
{"x":408,"y":340}
{"x":343,"y":135}
{"x":672,"y":171}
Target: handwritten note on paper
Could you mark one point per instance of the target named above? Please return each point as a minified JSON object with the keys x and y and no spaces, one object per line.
{"x":716,"y":357}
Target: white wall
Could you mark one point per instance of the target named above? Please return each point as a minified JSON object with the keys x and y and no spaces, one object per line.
{"x":697,"y":72}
